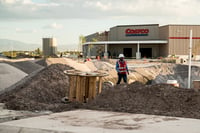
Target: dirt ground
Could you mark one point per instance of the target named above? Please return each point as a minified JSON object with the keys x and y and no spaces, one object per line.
{"x":45,"y":91}
{"x":159,"y":99}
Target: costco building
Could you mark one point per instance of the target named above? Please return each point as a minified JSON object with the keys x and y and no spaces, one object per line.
{"x":150,"y":41}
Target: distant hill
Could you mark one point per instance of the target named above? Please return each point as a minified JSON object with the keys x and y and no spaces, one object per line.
{"x":67,"y":47}
{"x":9,"y":45}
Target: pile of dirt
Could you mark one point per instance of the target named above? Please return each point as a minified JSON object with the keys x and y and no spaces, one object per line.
{"x":43,"y":92}
{"x":160,"y":99}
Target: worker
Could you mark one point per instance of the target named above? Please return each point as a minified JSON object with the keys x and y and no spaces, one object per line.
{"x":122,"y":69}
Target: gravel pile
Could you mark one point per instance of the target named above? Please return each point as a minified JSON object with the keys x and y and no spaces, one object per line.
{"x":43,"y":92}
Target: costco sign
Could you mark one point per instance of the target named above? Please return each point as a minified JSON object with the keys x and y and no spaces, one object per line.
{"x":136,"y":32}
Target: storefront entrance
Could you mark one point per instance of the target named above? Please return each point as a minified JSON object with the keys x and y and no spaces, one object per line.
{"x":127,"y":52}
{"x":146,"y":52}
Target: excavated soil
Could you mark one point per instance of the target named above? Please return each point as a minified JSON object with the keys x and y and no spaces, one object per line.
{"x":46,"y":89}
{"x":160,"y":99}
{"x":43,"y":92}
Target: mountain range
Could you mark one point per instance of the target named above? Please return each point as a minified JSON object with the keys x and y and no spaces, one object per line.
{"x":10,"y":45}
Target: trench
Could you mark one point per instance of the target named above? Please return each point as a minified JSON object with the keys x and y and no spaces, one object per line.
{"x":159,"y":74}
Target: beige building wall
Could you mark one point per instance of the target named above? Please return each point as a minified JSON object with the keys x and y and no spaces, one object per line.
{"x":179,"y":39}
{"x":118,"y":33}
{"x":164,"y":35}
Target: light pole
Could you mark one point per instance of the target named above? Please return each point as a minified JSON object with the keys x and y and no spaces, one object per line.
{"x":190,"y":57}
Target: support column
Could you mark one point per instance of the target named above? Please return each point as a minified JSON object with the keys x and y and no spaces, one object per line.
{"x":106,"y":51}
{"x":89,"y":50}
{"x":138,"y":54}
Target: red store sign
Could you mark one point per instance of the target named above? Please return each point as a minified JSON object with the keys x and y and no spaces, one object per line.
{"x":137,"y":32}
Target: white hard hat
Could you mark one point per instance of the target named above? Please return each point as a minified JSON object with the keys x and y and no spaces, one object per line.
{"x":121,"y":55}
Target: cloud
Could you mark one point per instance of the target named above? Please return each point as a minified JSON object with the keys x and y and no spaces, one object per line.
{"x":67,"y":9}
{"x":20,"y":30}
{"x":53,"y":26}
{"x":8,"y":1}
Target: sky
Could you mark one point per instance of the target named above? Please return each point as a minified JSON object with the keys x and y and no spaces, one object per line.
{"x":31,"y":20}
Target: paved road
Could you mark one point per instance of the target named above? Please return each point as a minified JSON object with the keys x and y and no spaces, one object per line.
{"x":87,"y":121}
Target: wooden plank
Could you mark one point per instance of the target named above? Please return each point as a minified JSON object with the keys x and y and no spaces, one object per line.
{"x":92,"y":87}
{"x":72,"y":91}
{"x":86,"y":88}
{"x":100,"y":85}
{"x":83,"y":85}
{"x":78,"y":89}
{"x":70,"y":88}
{"x":74,"y":87}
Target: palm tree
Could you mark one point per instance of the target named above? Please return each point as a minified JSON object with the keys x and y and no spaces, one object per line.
{"x":82,"y":40}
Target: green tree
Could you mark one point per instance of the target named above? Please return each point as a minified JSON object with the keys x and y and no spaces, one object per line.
{"x":38,"y":51}
{"x":82,"y":40}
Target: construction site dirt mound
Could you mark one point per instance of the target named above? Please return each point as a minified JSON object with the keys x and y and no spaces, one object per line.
{"x":43,"y":92}
{"x":160,"y":99}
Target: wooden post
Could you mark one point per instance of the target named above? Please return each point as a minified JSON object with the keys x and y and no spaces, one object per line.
{"x":100,"y":85}
{"x":78,"y":89}
{"x":92,"y":87}
{"x":72,"y":88}
{"x":86,"y":88}
{"x":82,"y":88}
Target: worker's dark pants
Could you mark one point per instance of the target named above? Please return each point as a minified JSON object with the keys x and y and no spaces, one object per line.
{"x":120,"y":76}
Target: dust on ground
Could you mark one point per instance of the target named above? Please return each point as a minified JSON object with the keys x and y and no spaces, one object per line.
{"x":45,"y":91}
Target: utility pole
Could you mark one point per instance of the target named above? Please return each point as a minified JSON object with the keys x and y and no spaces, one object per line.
{"x":190,"y":58}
